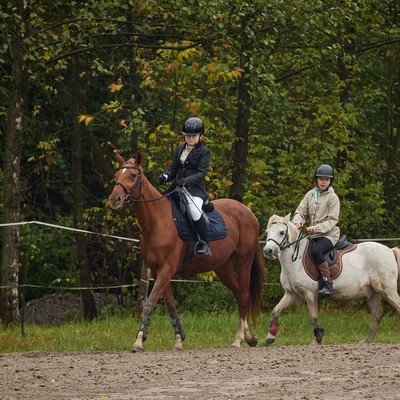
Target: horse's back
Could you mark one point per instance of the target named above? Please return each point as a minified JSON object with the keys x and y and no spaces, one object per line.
{"x":374,"y":252}
{"x":239,"y":218}
{"x":375,"y":260}
{"x":234,"y":209}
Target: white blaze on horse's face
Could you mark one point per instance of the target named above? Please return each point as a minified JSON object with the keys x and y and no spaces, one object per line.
{"x":118,"y":195}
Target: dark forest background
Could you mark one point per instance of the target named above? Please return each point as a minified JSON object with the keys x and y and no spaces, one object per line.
{"x":282,"y":86}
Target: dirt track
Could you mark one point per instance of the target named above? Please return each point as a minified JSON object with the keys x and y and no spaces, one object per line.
{"x":287,"y":372}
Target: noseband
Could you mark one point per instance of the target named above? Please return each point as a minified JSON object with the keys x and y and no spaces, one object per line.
{"x":138,"y":183}
{"x":284,"y":244}
{"x":285,"y":241}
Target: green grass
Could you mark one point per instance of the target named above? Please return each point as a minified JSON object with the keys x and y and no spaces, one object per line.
{"x":348,"y":325}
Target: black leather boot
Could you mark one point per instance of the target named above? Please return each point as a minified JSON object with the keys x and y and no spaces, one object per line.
{"x":327,"y":289}
{"x":136,"y":248}
{"x":202,"y":249}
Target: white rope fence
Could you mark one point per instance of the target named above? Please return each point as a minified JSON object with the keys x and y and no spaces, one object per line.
{"x":131,"y":240}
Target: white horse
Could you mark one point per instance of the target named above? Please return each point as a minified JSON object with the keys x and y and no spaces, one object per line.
{"x":371,"y":270}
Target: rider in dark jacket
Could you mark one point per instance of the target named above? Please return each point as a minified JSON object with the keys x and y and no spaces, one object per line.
{"x":189,"y":167}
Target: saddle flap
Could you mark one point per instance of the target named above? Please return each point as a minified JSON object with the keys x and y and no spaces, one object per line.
{"x":217,"y":228}
{"x":335,"y":266}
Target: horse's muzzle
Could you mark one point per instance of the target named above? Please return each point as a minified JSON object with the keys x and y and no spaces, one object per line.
{"x":116,"y":202}
{"x":270,"y":253}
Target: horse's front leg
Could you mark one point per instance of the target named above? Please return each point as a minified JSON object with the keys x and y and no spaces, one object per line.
{"x":287,"y":300}
{"x":159,"y":288}
{"x":176,"y":323}
{"x":311,"y":299}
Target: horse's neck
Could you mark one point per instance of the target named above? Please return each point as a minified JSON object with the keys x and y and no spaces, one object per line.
{"x":293,"y":255}
{"x":152,"y":210}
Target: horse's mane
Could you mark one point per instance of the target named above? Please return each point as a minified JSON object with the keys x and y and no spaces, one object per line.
{"x":130,"y":161}
{"x":276,"y":219}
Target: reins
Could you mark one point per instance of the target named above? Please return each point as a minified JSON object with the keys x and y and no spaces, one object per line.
{"x":296,"y":250}
{"x":139,"y":183}
{"x":284,"y":244}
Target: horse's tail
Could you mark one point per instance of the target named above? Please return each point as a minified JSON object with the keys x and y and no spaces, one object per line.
{"x":256,"y":285}
{"x":396,"y":251}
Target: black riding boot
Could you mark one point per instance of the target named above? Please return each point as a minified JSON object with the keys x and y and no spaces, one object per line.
{"x":136,"y":248}
{"x":202,"y":249}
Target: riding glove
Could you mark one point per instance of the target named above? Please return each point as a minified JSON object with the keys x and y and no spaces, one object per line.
{"x":162,"y":179}
{"x":180,"y":183}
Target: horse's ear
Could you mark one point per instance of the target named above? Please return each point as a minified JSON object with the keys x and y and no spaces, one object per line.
{"x":287,"y":218}
{"x":120,"y":160}
{"x":138,"y":158}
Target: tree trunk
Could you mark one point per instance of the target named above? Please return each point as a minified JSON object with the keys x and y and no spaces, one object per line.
{"x":391,"y":183}
{"x":89,"y":306}
{"x":9,"y":311}
{"x":241,"y":146}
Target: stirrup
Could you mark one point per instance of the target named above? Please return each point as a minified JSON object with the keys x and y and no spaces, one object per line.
{"x":326,"y":290}
{"x":136,"y":249}
{"x":202,"y":249}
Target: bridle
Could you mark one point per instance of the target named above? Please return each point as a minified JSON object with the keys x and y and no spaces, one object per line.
{"x":138,"y":184}
{"x":284,"y":244}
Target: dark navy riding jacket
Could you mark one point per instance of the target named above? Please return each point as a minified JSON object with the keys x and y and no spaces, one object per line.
{"x":193,"y":171}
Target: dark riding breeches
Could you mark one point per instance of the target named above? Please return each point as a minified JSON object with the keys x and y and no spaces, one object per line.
{"x":318,"y":246}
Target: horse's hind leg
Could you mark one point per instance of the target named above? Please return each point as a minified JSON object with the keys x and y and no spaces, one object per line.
{"x":287,"y":300}
{"x":375,"y":306}
{"x":229,"y":279}
{"x":374,"y":303}
{"x":176,"y":323}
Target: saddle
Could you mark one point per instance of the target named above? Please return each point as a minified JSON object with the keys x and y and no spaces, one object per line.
{"x":217,"y":228}
{"x":333,"y":257}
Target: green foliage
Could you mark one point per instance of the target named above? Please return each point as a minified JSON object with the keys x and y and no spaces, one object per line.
{"x":323,"y":84}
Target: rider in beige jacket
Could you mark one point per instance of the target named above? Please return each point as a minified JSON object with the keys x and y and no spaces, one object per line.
{"x":321,"y":206}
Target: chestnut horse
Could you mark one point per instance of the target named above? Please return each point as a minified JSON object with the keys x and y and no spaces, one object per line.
{"x":164,"y":251}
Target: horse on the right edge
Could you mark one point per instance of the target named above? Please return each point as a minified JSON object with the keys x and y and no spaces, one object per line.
{"x":371,"y":270}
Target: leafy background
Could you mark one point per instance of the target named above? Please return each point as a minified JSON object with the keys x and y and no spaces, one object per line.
{"x":281,"y":88}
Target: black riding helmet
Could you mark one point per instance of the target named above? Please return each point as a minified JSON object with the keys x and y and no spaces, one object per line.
{"x":326,"y":171}
{"x":193,"y":126}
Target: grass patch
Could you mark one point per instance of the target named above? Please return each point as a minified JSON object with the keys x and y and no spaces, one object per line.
{"x":348,"y":325}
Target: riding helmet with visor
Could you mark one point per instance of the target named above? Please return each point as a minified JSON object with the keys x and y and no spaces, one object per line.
{"x":193,"y":126}
{"x":324,"y":170}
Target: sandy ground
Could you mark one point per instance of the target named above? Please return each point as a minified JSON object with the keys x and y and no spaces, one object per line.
{"x":334,"y":372}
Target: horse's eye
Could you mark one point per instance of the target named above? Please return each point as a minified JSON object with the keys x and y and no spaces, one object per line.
{"x":133,"y":177}
{"x":282,"y":233}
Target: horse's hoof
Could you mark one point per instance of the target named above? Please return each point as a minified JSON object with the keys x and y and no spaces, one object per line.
{"x":177,"y":349}
{"x":253,"y":341}
{"x":269,"y":341}
{"x":137,"y":349}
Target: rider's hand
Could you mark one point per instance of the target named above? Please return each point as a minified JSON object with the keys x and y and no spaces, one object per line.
{"x":180,"y":183}
{"x":310,"y":229}
{"x":162,"y":179}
